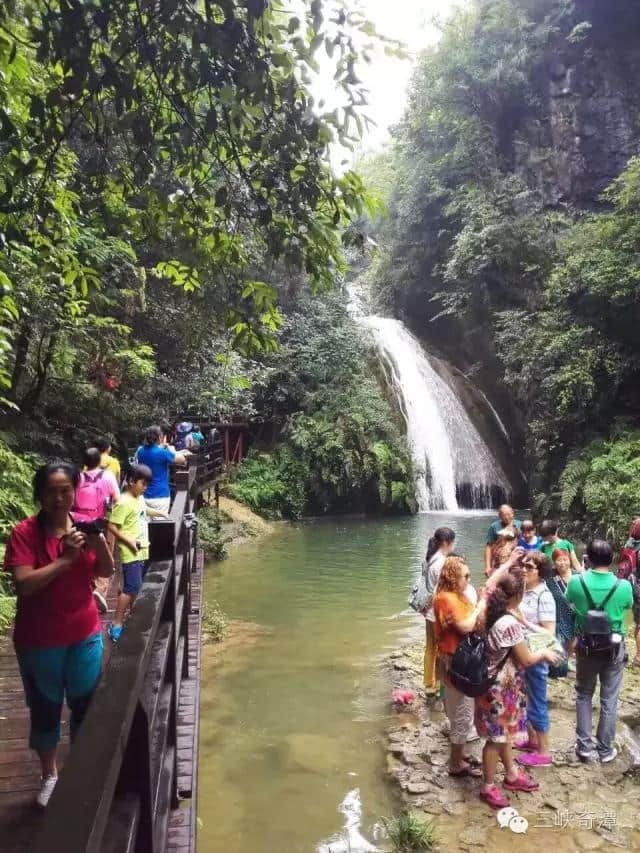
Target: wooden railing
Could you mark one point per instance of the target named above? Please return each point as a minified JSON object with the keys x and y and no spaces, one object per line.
{"x":120,"y":779}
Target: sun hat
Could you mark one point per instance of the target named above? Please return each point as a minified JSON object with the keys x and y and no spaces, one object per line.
{"x":185,"y":426}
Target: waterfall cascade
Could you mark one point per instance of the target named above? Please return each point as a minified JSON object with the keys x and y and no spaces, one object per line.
{"x":454,"y":466}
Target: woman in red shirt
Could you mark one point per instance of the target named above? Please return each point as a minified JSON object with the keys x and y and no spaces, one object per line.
{"x":57,"y":634}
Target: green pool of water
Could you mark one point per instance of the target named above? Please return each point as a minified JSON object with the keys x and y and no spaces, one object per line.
{"x":293,"y":709}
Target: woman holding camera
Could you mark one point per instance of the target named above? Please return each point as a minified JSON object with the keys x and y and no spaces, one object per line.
{"x":57,"y":635}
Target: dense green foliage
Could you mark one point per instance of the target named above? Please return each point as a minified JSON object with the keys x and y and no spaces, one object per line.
{"x":210,"y":535}
{"x":340,"y":448}
{"x":165,"y":192}
{"x":16,"y":473}
{"x":16,"y":502}
{"x":164,"y":176}
{"x":600,"y":485}
{"x":510,"y":284}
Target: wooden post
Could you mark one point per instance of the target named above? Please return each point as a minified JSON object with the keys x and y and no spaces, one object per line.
{"x":226,"y":446}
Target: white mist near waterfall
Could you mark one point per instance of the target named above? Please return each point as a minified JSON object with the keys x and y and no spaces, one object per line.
{"x":453,"y":464}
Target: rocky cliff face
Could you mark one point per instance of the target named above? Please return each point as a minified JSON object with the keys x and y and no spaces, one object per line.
{"x":588,"y":125}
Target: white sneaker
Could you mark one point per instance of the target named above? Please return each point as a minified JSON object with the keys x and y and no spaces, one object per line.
{"x":606,"y":757}
{"x":588,"y":757}
{"x":47,"y":784}
{"x":100,"y":601}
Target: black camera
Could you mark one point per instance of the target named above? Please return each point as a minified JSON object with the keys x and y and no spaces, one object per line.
{"x":97,"y":525}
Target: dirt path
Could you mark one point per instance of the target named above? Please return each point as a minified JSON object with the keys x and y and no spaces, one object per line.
{"x":577,"y":808}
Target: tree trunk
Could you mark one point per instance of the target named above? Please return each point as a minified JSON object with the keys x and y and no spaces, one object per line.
{"x":22,"y":350}
{"x":32,"y":397}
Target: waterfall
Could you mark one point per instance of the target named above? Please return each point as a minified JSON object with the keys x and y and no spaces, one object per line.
{"x":454,"y":467}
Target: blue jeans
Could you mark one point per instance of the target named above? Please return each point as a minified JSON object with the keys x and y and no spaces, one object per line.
{"x":50,"y":673}
{"x":535,"y":679}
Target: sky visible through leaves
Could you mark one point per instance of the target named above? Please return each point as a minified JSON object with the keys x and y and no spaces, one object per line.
{"x":413,"y":22}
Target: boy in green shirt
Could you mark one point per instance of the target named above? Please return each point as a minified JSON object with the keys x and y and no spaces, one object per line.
{"x":608,"y":665}
{"x":549,"y":533}
{"x":128,"y":524}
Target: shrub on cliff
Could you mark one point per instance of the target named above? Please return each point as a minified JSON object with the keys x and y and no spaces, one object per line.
{"x":599,"y":485}
{"x":16,"y":502}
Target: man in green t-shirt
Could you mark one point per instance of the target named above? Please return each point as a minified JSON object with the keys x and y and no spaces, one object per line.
{"x":505,"y":519}
{"x":551,"y":541}
{"x":608,"y":666}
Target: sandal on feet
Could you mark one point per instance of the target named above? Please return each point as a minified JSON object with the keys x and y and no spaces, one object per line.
{"x":472,"y":760}
{"x":526,"y":746}
{"x":534,"y":759}
{"x":494,"y":797}
{"x":522,"y":782}
{"x":466,"y":771}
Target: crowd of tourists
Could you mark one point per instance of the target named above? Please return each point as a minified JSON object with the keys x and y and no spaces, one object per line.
{"x":539,"y":613}
{"x":62,"y":563}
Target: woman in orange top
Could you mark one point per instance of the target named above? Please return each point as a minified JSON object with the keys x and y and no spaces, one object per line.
{"x":455,"y":617}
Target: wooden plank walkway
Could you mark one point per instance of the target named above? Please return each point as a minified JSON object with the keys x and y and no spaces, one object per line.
{"x":19,"y":766}
{"x":182,"y":821}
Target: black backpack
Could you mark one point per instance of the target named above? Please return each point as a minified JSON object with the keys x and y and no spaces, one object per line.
{"x":596,"y":627}
{"x":469,"y":672}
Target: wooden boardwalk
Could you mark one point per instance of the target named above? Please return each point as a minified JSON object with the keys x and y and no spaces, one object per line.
{"x":20,"y":819}
{"x":182,"y":822}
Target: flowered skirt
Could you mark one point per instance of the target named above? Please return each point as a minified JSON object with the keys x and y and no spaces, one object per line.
{"x":501,"y":713}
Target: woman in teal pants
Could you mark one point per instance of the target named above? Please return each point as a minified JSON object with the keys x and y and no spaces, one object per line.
{"x":57,"y":633}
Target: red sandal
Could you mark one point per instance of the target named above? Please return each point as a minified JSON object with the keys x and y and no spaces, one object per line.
{"x":522,"y":782}
{"x":494,"y":797}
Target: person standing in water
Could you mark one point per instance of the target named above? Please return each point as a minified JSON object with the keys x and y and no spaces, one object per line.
{"x":506,"y":518}
{"x":439,"y":547}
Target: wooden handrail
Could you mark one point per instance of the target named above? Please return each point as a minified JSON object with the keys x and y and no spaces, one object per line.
{"x":120,"y":778}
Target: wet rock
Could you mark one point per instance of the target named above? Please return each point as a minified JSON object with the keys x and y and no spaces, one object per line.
{"x":418,"y":753}
{"x":612,"y":838}
{"x":587,"y":840}
{"x":411,"y":757}
{"x":475,"y":836}
{"x":400,"y":665}
{"x":418,"y":787}
{"x":455,"y":808}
